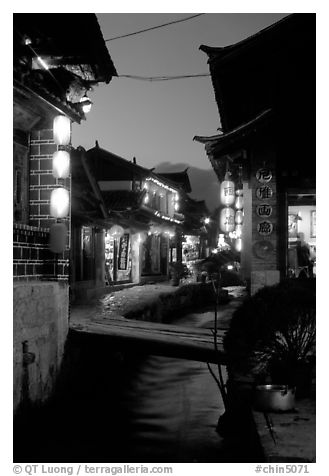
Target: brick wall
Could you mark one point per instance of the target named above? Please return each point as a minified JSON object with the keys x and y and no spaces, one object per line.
{"x":42,"y":181}
{"x":32,"y":257}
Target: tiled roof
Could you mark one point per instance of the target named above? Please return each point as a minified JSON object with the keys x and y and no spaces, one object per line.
{"x":179,"y":178}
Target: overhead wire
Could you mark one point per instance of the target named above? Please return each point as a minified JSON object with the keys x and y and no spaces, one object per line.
{"x":162,"y":78}
{"x":155,"y":27}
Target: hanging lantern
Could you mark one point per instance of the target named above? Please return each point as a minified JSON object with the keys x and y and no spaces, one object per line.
{"x":62,"y":130}
{"x":238,"y":244}
{"x":239,"y":201}
{"x":61,"y":164}
{"x":59,"y":203}
{"x":238,"y":230}
{"x":116,"y":231}
{"x":227,"y":195}
{"x":239,"y":217}
{"x":85,"y":104}
{"x":58,"y":234}
{"x":227,"y":219}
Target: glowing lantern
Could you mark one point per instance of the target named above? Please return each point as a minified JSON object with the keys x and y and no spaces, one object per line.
{"x":238,"y":230}
{"x":227,"y":219}
{"x":62,"y":130}
{"x":239,"y":202}
{"x":85,"y":104}
{"x":58,"y":234}
{"x":227,"y":195}
{"x":116,"y":231}
{"x":61,"y":164}
{"x":238,"y":244}
{"x":59,"y":203}
{"x":239,"y":217}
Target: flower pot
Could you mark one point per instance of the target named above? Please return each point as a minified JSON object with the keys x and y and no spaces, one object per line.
{"x":274,"y":398}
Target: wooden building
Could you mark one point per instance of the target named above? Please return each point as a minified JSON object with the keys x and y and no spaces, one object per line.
{"x":125,"y":222}
{"x":265,"y":91}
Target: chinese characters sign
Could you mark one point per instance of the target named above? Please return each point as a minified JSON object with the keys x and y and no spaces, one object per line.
{"x":123,"y":252}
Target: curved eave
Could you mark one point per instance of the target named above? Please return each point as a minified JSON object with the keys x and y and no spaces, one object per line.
{"x":50,"y":100}
{"x":214,"y":141}
{"x":222,"y":52}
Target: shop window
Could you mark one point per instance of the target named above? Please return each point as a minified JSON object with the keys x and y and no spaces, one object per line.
{"x":301,"y":253}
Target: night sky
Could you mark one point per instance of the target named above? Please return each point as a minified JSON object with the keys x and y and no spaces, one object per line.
{"x":156,"y":121}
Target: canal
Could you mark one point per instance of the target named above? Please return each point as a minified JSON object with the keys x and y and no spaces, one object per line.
{"x":128,"y":407}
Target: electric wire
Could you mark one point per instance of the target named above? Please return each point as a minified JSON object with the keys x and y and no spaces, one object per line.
{"x":154,"y":27}
{"x":162,"y":78}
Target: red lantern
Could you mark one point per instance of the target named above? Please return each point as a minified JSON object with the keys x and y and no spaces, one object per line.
{"x":227,"y":219}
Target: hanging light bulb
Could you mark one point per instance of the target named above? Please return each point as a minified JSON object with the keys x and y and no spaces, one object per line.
{"x":85,"y":104}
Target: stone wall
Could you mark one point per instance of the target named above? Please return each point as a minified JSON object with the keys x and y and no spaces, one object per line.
{"x":41,"y":312}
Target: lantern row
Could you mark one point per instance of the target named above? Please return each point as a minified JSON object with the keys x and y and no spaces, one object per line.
{"x":60,"y":197}
{"x":231,"y":220}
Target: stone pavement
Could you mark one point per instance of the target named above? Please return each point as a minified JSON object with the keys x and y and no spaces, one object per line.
{"x":293,"y":437}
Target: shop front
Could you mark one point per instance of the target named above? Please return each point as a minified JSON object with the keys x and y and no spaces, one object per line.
{"x":118,"y":259}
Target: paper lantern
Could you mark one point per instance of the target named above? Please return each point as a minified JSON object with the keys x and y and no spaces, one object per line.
{"x":238,"y":230}
{"x":227,"y":219}
{"x":58,"y":235}
{"x":62,"y":130}
{"x":116,"y":231}
{"x":239,"y":217}
{"x":61,"y":164}
{"x":238,"y":244}
{"x":59,"y":203}
{"x":239,"y":202}
{"x":227,"y":195}
{"x":85,"y":104}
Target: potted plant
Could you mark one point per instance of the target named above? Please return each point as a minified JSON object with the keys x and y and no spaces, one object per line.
{"x":271,"y":339}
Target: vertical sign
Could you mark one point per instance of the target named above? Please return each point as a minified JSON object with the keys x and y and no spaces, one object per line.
{"x":123,"y":252}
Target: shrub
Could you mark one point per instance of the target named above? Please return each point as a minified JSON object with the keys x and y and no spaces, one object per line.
{"x":273,"y":332}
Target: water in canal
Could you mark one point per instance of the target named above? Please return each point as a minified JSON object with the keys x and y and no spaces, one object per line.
{"x":141,"y":408}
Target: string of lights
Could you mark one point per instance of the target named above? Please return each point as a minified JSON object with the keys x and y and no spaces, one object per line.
{"x":154,"y":27}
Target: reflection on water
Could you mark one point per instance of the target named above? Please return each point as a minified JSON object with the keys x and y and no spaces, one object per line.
{"x":154,"y":409}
